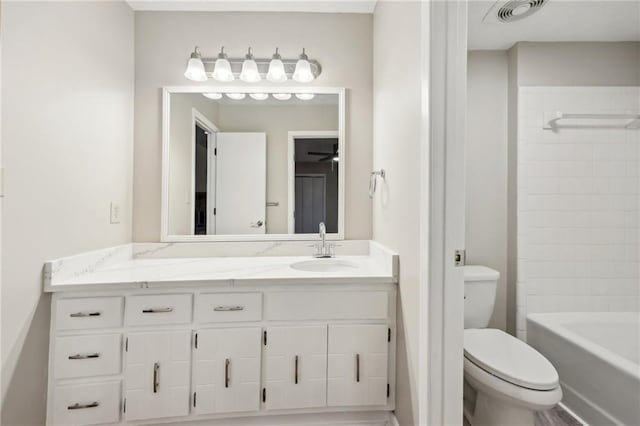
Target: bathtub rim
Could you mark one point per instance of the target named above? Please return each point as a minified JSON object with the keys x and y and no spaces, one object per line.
{"x":556,"y":323}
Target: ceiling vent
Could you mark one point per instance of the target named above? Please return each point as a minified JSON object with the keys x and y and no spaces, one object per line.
{"x":513,"y":10}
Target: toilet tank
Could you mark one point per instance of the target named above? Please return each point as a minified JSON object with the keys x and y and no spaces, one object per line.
{"x":480,"y":284}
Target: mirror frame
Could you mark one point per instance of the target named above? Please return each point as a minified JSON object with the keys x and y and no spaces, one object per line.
{"x":167,"y":91}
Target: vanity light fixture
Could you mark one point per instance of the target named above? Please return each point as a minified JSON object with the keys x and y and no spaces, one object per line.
{"x":302,"y":73}
{"x":250,"y":73}
{"x":305,"y":96}
{"x":282,"y":96}
{"x":222,"y":69}
{"x":259,"y":96}
{"x":276,"y":73}
{"x":252,"y":70}
{"x":236,"y":96}
{"x":195,"y":67}
{"x":214,"y":96}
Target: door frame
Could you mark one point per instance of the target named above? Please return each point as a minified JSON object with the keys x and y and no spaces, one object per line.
{"x":199,"y":119}
{"x":291,"y":177}
{"x":441,"y":342}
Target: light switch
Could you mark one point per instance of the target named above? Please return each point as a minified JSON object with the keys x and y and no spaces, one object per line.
{"x":115,"y":213}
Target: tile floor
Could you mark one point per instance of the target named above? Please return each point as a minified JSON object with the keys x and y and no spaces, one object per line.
{"x":557,"y":416}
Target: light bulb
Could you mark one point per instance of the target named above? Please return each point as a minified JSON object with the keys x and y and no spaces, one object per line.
{"x":276,"y":73}
{"x":250,"y":73}
{"x":282,"y":96}
{"x":195,"y":67}
{"x":222,"y":70}
{"x":259,"y":96}
{"x":214,"y":96}
{"x":236,"y":96}
{"x":303,"y":73}
{"x":305,"y":96}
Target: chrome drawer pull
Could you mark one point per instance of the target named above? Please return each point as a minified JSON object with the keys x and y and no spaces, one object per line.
{"x":78,"y":406}
{"x":84,"y":356}
{"x":296,"y":370}
{"x":85,"y":314}
{"x":157,"y":310}
{"x":358,"y":368}
{"x":228,"y":308}
{"x":156,"y":377}
{"x":227,"y":367}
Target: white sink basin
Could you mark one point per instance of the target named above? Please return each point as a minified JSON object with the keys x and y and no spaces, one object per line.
{"x":324,"y":265}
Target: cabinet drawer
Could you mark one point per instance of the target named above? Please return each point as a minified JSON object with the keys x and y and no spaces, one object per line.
{"x":229,"y":307}
{"x":159,"y":309}
{"x":83,"y":356}
{"x":321,"y":305}
{"x":86,"y":404}
{"x":88,"y":312}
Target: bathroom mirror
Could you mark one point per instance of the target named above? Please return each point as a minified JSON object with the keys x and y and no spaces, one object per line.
{"x":252,"y":163}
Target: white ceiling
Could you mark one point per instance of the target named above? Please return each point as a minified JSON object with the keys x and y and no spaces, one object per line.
{"x":314,"y":6}
{"x":558,"y":20}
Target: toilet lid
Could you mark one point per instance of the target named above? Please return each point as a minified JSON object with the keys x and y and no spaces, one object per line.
{"x":510,"y":359}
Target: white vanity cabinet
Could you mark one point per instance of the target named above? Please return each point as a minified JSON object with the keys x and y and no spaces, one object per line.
{"x":157,"y":374}
{"x":176,"y":355}
{"x":295,"y":367}
{"x":226,"y":370}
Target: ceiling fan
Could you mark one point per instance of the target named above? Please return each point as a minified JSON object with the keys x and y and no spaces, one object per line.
{"x":327,"y":156}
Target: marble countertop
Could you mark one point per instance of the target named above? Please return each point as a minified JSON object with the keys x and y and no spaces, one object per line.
{"x":131,"y":266}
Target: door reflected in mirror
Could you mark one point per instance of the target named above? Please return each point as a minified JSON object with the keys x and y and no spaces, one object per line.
{"x":250,"y":166}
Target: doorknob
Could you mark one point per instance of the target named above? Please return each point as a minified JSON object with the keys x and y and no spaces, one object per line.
{"x":257,"y":224}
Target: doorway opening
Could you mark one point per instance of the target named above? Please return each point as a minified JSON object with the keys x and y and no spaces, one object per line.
{"x":314,"y":163}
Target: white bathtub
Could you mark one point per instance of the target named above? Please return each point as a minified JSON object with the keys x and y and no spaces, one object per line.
{"x":597,"y":356}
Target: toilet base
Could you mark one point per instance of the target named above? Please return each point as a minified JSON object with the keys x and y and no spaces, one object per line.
{"x":490,"y":411}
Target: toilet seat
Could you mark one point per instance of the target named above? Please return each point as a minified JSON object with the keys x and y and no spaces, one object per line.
{"x":509,"y":359}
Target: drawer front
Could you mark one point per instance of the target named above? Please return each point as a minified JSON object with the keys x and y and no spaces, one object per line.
{"x":324,"y":305}
{"x":159,"y":309}
{"x":84,"y":356}
{"x":86,"y":404}
{"x":229,"y":307}
{"x":88,"y":312}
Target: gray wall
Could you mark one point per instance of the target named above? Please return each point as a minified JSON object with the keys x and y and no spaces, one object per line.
{"x":527,"y":64}
{"x":486,"y":169}
{"x":67,"y":141}
{"x":341,"y":42}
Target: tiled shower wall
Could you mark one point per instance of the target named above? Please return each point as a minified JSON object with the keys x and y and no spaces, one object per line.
{"x":578,"y":205}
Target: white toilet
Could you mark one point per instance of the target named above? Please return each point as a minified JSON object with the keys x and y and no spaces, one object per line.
{"x":505,"y":380}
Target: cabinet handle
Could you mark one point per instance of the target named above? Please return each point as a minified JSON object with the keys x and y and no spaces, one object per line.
{"x":227,"y":367}
{"x":358,"y":368}
{"x":156,"y":377}
{"x":78,"y":406}
{"x":84,"y":356}
{"x":85,"y":314}
{"x":296,"y":369}
{"x":157,"y":310}
{"x":228,"y":308}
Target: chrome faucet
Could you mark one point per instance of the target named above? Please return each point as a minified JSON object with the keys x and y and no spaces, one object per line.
{"x":322,"y":249}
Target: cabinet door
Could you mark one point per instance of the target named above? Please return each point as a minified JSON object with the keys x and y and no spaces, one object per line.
{"x":295,"y":367}
{"x":226,"y":373}
{"x":357,"y":365}
{"x":157,"y":374}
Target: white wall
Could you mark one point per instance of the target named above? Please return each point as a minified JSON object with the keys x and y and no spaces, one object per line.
{"x":486,"y":169}
{"x":396,"y":207}
{"x":341,"y":42}
{"x":578,"y":205}
{"x":67,"y":139}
